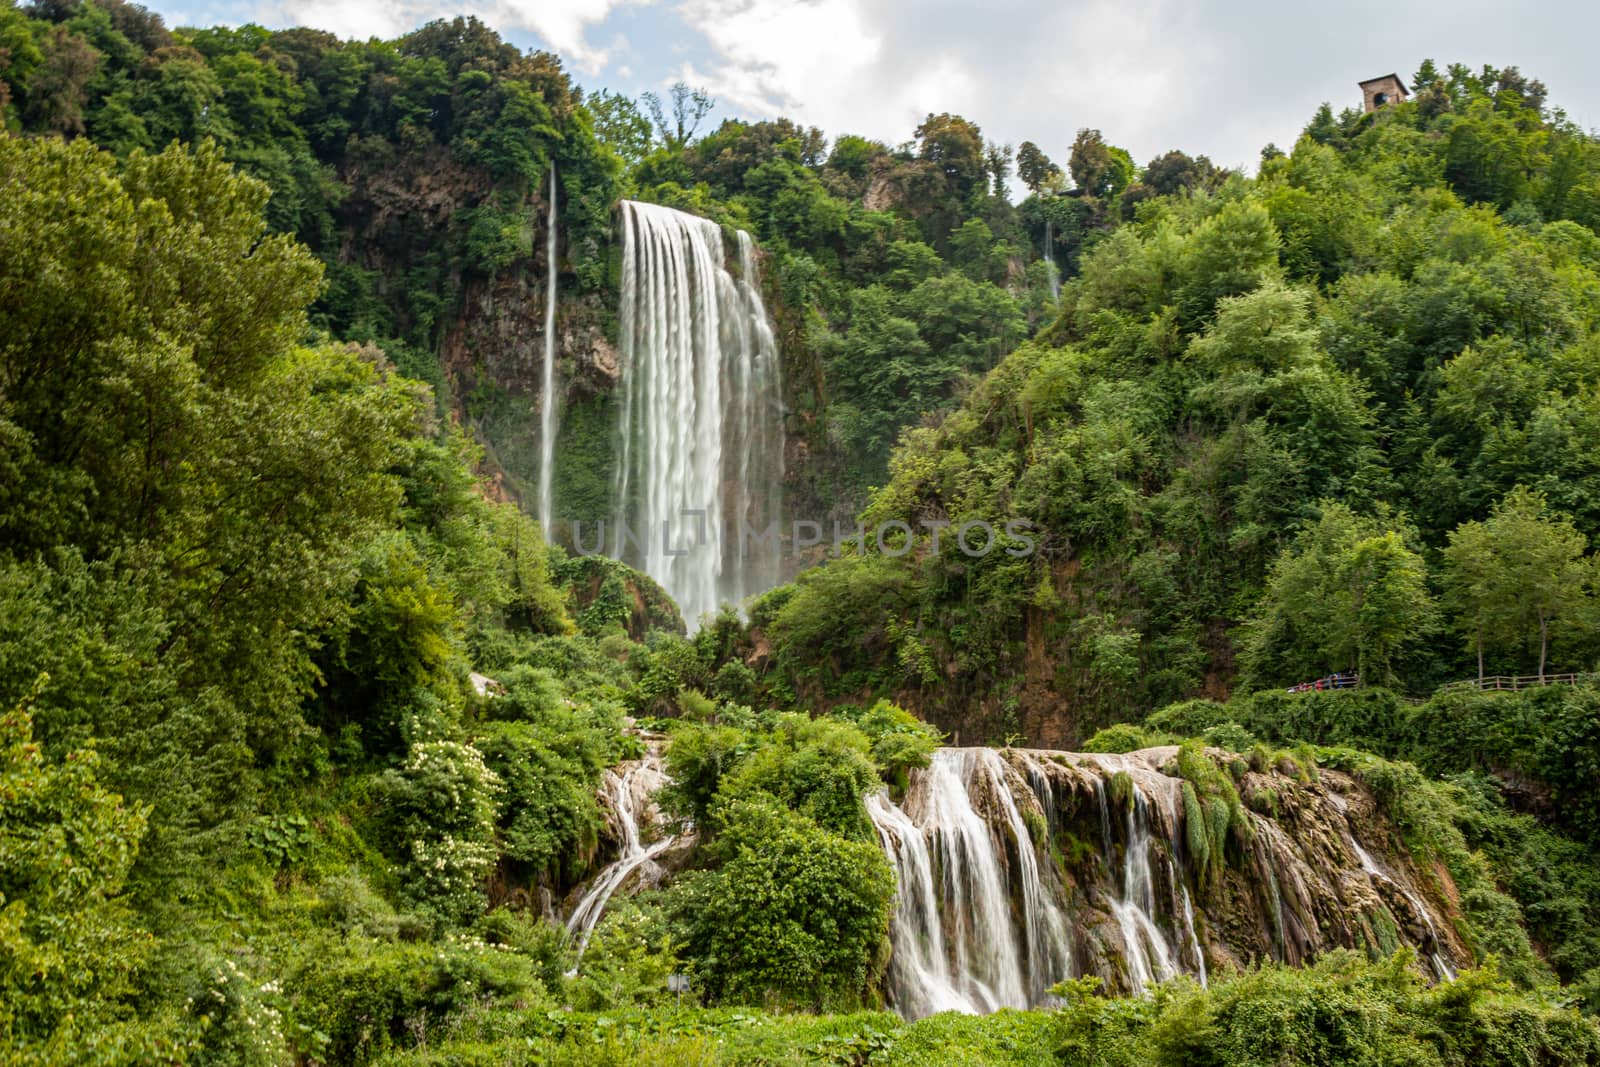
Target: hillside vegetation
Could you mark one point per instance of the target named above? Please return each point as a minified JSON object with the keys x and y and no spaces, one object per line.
{"x":302,"y":719}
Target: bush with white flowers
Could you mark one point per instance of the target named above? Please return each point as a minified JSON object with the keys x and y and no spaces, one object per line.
{"x":444,"y":802}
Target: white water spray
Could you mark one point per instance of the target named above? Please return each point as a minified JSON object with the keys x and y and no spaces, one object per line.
{"x":1149,"y":955}
{"x":700,"y":442}
{"x":628,"y":791}
{"x":1441,"y":966}
{"x":957,"y":944}
{"x":1051,"y":271}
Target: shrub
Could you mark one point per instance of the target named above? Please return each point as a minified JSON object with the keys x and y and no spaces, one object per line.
{"x":795,"y":914}
{"x":443,"y":806}
{"x":382,"y":997}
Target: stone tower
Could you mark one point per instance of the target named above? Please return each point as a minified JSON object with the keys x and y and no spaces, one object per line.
{"x":1381,"y":92}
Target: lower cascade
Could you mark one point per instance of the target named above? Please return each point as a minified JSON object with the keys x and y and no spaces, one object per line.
{"x":700,"y":424}
{"x":1017,"y":869}
{"x":628,"y":796}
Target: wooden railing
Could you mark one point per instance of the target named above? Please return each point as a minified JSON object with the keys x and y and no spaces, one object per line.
{"x":1512,"y":682}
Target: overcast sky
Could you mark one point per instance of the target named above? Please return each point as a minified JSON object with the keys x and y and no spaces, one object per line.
{"x":1222,"y":77}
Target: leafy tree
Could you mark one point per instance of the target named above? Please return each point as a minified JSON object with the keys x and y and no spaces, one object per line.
{"x":1348,"y":595}
{"x":55,"y":87}
{"x":71,"y":952}
{"x":1099,"y":169}
{"x":818,"y":767}
{"x":162,"y":419}
{"x":1034,"y":167}
{"x":794,"y":914}
{"x":689,"y":108}
{"x":1519,"y":571}
{"x":1176,"y":172}
{"x":956,"y":147}
{"x":442,"y":806}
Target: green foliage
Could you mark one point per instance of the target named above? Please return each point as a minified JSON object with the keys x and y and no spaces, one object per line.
{"x":818,"y":767}
{"x":900,"y":741}
{"x":259,"y":567}
{"x":70,"y":950}
{"x":627,"y":960}
{"x":1348,"y":595}
{"x":794,"y":915}
{"x":1516,"y":574}
{"x":1123,"y":737}
{"x":442,"y":805}
{"x":1213,"y":813}
{"x":373,"y":998}
{"x":548,"y":753}
{"x":1341,"y":1010}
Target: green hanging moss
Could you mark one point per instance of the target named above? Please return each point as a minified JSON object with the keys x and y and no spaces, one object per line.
{"x":1120,"y":786}
{"x":1212,"y":809}
{"x":1194,"y":824}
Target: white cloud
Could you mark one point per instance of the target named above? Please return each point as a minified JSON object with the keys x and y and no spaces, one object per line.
{"x":562,"y":25}
{"x":1022,"y":71}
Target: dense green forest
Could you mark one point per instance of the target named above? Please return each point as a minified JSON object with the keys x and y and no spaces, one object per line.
{"x":303,"y":721}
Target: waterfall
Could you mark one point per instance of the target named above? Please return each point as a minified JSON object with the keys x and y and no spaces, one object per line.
{"x":1018,"y":869}
{"x":1050,"y":263}
{"x":628,"y":793}
{"x":700,"y":427}
{"x":926,"y":984}
{"x":1148,"y":954}
{"x":957,"y":944}
{"x":1194,"y":938}
{"x":1441,"y":966}
{"x":547,"y":395}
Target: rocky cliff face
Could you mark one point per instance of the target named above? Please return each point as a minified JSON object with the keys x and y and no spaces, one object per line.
{"x":413,"y":224}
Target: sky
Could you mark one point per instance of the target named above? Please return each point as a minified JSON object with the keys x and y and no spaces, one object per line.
{"x":1219,"y":77}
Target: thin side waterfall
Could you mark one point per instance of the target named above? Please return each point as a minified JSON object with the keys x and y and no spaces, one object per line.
{"x":547,"y":395}
{"x":628,"y":792}
{"x":700,"y":426}
{"x":1194,"y":939}
{"x":1441,"y":966}
{"x":1050,"y":262}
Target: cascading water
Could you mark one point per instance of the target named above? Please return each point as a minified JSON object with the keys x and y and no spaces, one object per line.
{"x":917,"y":932}
{"x":1051,"y":271}
{"x":1149,"y":956}
{"x":700,"y":441}
{"x":957,"y":944}
{"x":627,"y":791}
{"x":1017,"y":869}
{"x":1194,"y":938}
{"x":1441,"y":966}
{"x":547,"y":395}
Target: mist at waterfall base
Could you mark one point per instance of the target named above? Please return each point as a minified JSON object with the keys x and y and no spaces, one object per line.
{"x":1017,"y":869}
{"x":700,"y":424}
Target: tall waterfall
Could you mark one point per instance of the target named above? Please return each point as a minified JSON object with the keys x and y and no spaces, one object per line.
{"x":700,"y":441}
{"x":547,"y":395}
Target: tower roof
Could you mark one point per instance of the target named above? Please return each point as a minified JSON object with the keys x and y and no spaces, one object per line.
{"x":1384,"y":78}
